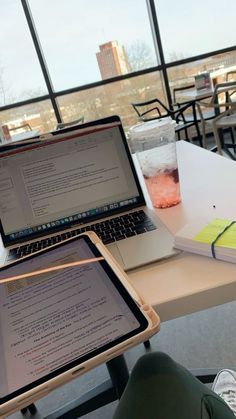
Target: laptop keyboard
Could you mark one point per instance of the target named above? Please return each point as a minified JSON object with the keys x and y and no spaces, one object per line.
{"x":108,"y":231}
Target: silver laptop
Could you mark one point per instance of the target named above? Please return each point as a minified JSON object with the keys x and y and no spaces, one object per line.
{"x":80,"y":179}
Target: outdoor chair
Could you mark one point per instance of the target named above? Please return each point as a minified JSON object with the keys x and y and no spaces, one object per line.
{"x":61,"y":125}
{"x":155,"y":109}
{"x":177,"y":93}
{"x":223,"y":107}
{"x":226,"y":119}
{"x":231,"y":75}
{"x":22,"y":127}
{"x":179,"y":99}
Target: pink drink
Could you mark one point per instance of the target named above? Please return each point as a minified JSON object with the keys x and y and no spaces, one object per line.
{"x":163,"y":188}
{"x":154,"y":144}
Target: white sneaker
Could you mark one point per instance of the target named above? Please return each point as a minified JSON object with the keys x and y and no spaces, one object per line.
{"x":225,"y":386}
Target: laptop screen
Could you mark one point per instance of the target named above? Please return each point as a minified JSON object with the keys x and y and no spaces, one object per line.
{"x":71,"y":179}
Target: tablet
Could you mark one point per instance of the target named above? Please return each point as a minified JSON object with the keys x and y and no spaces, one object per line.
{"x":62,"y":311}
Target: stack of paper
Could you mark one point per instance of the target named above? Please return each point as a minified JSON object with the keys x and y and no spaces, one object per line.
{"x":216,"y":237}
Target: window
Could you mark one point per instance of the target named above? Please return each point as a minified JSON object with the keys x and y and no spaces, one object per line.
{"x":40,"y":116}
{"x":112,"y":99}
{"x":218,"y":66}
{"x":20,"y":72}
{"x":84,"y":43}
{"x":84,"y":46}
{"x":190,"y":28}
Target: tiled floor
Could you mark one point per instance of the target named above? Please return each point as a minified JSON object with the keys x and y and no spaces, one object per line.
{"x":200,"y":340}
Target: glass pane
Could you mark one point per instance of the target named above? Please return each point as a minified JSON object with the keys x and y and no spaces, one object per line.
{"x":39,"y":116}
{"x":86,"y":42}
{"x":112,"y":99}
{"x":191,"y":28}
{"x":222,"y":67}
{"x":20,"y":73}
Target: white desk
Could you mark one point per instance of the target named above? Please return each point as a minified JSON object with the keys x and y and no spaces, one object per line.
{"x":195,"y":95}
{"x":188,"y":282}
{"x":20,"y":138}
{"x":27,"y":135}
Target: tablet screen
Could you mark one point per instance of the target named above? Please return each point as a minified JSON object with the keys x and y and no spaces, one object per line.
{"x":52,"y":322}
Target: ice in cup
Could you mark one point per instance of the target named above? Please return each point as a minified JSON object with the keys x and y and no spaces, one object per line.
{"x":161,"y":175}
{"x":155,"y":147}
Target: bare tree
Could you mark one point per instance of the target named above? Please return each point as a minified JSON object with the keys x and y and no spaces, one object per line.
{"x":3,"y":88}
{"x":6,"y":96}
{"x":31,"y":93}
{"x":140,"y":56}
{"x":176,"y":56}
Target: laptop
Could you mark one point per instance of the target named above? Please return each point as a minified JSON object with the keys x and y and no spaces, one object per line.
{"x":79,"y":179}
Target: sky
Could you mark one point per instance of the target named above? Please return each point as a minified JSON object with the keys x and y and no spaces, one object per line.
{"x":71,"y":31}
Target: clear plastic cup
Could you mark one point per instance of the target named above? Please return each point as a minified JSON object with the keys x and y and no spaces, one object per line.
{"x":155,"y":147}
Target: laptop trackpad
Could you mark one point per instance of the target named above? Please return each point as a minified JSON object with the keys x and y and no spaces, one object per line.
{"x":146,"y":248}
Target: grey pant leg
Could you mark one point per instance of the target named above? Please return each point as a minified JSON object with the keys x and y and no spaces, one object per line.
{"x":159,"y":388}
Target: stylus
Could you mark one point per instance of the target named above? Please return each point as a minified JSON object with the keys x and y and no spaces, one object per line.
{"x":51,"y":269}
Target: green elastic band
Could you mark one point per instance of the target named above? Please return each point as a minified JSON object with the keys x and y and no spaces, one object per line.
{"x":218,"y":236}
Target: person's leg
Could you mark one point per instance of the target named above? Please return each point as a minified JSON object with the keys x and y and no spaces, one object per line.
{"x":159,"y":388}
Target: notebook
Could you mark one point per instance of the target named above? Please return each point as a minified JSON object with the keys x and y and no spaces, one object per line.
{"x":77,"y":180}
{"x":214,"y":238}
{"x":64,"y":310}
